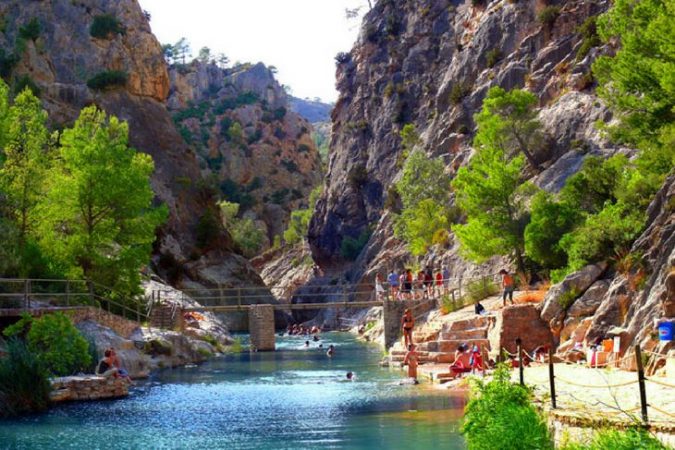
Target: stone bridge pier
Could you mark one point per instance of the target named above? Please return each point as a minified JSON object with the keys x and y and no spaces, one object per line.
{"x":261,"y":327}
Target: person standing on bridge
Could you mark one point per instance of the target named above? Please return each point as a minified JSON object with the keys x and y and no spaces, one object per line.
{"x":407,"y":324}
{"x":379,"y":287}
{"x":392,"y":279}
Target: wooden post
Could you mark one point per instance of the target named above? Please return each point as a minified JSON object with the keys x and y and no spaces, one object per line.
{"x":90,"y":287}
{"x":26,"y":294}
{"x":67,"y":292}
{"x":551,"y":376}
{"x":460,"y":288}
{"x":519,"y":349}
{"x":641,"y":383}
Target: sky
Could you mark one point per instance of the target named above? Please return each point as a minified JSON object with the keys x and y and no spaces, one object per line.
{"x":299,"y":37}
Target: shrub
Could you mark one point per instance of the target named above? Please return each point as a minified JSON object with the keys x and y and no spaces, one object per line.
{"x":492,"y":56}
{"x":548,"y":15}
{"x":589,"y":32}
{"x":480,"y":289}
{"x":279,"y":113}
{"x":619,"y":440}
{"x":107,"y":80}
{"x":342,"y":58}
{"x":105,"y":25}
{"x":289,"y":165}
{"x":30,"y":31}
{"x":357,"y":176}
{"x":26,"y":82}
{"x":208,"y":229}
{"x":57,"y":344}
{"x":7,"y":63}
{"x":500,"y":415}
{"x":351,"y":248}
{"x":297,"y":226}
{"x":457,"y":93}
{"x":24,"y":383}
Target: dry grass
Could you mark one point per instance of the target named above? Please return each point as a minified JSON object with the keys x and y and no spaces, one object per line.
{"x":530,"y":297}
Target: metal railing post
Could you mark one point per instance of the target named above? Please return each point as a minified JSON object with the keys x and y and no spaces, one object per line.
{"x":551,"y":376}
{"x":519,"y":349}
{"x":641,"y":383}
{"x":26,"y":294}
{"x":67,"y":292}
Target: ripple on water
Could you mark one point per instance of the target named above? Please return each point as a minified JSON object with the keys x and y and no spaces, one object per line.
{"x":290,"y":399}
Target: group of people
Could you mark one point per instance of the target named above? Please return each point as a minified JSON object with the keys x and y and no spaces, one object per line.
{"x":467,"y":360}
{"x":408,"y":286}
{"x":109,"y":366}
{"x":301,"y":330}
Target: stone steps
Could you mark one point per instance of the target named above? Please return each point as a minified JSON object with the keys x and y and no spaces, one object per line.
{"x":450,"y":346}
{"x":463,"y":335}
{"x":467,"y":324}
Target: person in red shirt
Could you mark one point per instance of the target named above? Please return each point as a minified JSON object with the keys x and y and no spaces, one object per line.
{"x":508,"y":284}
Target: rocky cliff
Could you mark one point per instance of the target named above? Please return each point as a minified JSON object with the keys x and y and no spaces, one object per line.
{"x":430,"y":64}
{"x":78,"y":53}
{"x":251,"y":147}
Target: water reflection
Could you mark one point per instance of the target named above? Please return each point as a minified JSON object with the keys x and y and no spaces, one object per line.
{"x":291,"y":399}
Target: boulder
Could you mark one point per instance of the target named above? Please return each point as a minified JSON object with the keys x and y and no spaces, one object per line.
{"x":587,"y":304}
{"x":612,"y":310}
{"x":569,"y":289}
{"x":518,"y":321}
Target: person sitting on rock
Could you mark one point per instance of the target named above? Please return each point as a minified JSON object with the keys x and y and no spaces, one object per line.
{"x":462,"y":363}
{"x":105,"y":367}
{"x":479,"y":309}
{"x":122,"y":373}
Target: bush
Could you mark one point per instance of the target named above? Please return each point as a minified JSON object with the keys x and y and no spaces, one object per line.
{"x":208,"y":229}
{"x":55,"y":341}
{"x":279,"y":113}
{"x":567,"y":298}
{"x":492,"y":56}
{"x":480,"y":289}
{"x":26,"y":82}
{"x":357,"y":176}
{"x":297,"y":226}
{"x":30,"y":31}
{"x":7,"y":63}
{"x":107,"y":80}
{"x":351,"y":248}
{"x":105,"y":25}
{"x":619,"y":440}
{"x":500,"y":415}
{"x":342,"y":58}
{"x":457,"y":93}
{"x":24,"y":383}
{"x":548,"y":15}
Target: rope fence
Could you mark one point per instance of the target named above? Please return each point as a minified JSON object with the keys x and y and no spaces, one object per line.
{"x":555,"y":382}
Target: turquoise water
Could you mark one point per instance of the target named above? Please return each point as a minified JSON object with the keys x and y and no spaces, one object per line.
{"x":293,"y":398}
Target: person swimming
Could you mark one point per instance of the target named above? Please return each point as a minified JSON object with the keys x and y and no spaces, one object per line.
{"x":315,"y":338}
{"x":351,"y":376}
{"x":331,"y":351}
{"x":306,"y":344}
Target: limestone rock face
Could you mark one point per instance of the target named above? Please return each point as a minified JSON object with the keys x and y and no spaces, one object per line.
{"x":64,"y":57}
{"x":588,"y":303}
{"x":427,"y":64}
{"x":570,"y":288}
{"x":254,"y":149}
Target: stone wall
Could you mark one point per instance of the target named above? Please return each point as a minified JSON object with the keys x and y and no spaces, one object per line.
{"x":88,"y":387}
{"x":261,"y":327}
{"x":119,"y":325}
{"x":392,"y":313}
{"x":518,"y":321}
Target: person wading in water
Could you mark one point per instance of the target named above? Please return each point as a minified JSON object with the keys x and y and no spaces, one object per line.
{"x":407,"y":324}
{"x":410,"y":360}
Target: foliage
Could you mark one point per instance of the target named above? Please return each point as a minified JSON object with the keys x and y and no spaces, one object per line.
{"x":351,"y":248}
{"x":357,"y":176}
{"x":619,"y":440}
{"x":208,"y":229}
{"x":478,"y":290}
{"x":489,"y":190}
{"x":298,"y":225}
{"x":589,"y":33}
{"x":637,"y":82}
{"x":105,"y":25}
{"x":248,"y":237}
{"x":108,"y":79}
{"x":500,"y":416}
{"x":549,"y":14}
{"x":96,"y":216}
{"x":24,"y":383}
{"x":603,"y":234}
{"x":548,"y":222}
{"x":589,"y":189}
{"x":493,"y":56}
{"x":25,"y":82}
{"x":423,"y":190}
{"x":508,"y":122}
{"x":31,"y":30}
{"x":567,"y":298}
{"x":53,"y":338}
{"x":7,"y":63}
{"x":342,"y":58}
{"x":458,"y":92}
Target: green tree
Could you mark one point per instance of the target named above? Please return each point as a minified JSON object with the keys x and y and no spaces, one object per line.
{"x":26,"y":160}
{"x":491,"y":193}
{"x":508,"y":122}
{"x":424,"y":189}
{"x":638,"y":82}
{"x":24,"y":383}
{"x":595,"y":184}
{"x":204,"y":55}
{"x":97,"y":215}
{"x":181,"y":50}
{"x":549,"y":221}
{"x":245,"y":233}
{"x":298,"y":225}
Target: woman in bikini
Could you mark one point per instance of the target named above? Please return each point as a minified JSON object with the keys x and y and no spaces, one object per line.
{"x":407,"y":324}
{"x":410,"y":360}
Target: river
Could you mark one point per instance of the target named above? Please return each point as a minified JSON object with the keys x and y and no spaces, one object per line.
{"x":294,"y":398}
